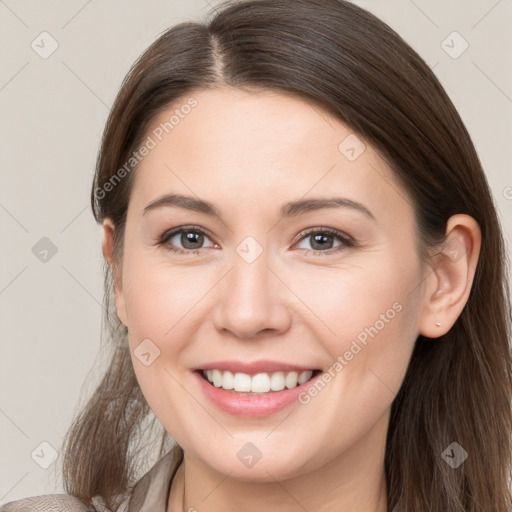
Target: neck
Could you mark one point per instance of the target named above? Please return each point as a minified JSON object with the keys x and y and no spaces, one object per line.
{"x":354,"y":481}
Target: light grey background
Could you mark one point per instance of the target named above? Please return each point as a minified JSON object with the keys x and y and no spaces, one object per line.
{"x":52,"y":115}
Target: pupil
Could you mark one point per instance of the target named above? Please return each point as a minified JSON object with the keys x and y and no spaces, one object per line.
{"x":192,"y":238}
{"x":321,"y":240}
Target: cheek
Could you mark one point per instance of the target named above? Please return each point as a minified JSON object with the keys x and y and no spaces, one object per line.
{"x":345,"y":300}
{"x":158,"y":302}
{"x":366,"y":318}
{"x":159,"y":298}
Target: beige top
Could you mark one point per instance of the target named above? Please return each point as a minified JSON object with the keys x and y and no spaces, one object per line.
{"x":149,"y":494}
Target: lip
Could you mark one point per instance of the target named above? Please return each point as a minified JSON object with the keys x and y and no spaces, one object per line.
{"x":254,"y":367}
{"x":251,"y":406}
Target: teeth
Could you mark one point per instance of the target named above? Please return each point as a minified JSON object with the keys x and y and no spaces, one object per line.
{"x":259,"y":383}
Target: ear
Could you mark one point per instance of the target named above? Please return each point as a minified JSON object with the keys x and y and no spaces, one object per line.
{"x":449,"y":282}
{"x":108,"y":253}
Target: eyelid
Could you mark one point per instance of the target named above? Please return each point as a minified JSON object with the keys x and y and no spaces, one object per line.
{"x":324,"y":229}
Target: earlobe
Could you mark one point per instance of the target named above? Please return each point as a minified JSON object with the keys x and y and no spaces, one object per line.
{"x":450,"y":280}
{"x":108,"y":254}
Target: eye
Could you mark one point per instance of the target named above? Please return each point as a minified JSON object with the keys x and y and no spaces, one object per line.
{"x":190,"y":237}
{"x":321,"y":241}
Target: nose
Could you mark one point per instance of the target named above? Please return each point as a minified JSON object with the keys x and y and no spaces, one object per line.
{"x":252,"y":301}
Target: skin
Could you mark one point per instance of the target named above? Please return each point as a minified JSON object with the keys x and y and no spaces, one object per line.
{"x":248,"y":153}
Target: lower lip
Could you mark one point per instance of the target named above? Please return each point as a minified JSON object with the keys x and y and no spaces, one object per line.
{"x":254,"y":406}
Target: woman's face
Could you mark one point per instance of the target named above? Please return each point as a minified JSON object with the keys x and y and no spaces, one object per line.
{"x":332,"y":286}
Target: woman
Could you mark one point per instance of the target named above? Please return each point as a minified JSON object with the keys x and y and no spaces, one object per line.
{"x":308,"y":277}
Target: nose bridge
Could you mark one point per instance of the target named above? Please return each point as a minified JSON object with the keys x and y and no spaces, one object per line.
{"x":251,"y":298}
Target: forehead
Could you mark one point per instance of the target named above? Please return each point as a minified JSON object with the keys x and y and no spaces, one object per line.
{"x":230,"y":122}
{"x":253,"y":147}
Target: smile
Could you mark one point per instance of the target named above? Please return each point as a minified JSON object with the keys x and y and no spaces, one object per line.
{"x":258,"y":383}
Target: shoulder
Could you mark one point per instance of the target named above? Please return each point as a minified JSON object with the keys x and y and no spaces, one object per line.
{"x":48,"y":503}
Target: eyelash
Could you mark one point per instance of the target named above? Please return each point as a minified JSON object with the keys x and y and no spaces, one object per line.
{"x":346,"y":241}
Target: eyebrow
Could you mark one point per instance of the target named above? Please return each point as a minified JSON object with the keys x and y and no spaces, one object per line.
{"x":290,"y":209}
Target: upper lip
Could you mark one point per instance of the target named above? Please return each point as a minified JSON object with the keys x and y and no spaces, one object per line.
{"x":254,"y":367}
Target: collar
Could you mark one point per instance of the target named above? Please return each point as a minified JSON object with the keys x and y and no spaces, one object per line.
{"x":151,"y":492}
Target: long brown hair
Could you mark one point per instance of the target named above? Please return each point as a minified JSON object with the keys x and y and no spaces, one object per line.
{"x":457,"y":388}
